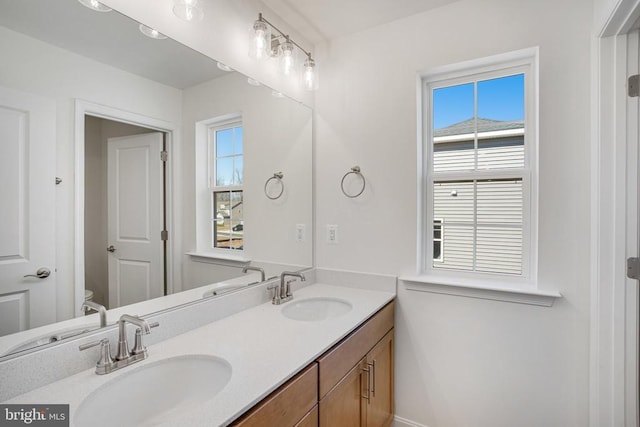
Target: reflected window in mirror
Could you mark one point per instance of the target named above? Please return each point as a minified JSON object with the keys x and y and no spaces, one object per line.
{"x":225,"y":182}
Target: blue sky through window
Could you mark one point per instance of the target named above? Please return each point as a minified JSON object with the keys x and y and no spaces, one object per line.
{"x":498,"y":99}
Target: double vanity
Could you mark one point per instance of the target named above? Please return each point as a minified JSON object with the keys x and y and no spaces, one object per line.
{"x":323,"y":357}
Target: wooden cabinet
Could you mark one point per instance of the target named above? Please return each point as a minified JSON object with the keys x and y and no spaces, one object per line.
{"x":343,"y":406}
{"x":359,"y":393}
{"x":351,"y":385}
{"x":379,"y":411}
{"x":289,"y":405}
{"x":309,"y":420}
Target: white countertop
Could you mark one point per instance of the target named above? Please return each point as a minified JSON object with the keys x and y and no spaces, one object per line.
{"x":264,"y":349}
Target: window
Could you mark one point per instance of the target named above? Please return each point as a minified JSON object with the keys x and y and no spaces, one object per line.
{"x":478,"y":169}
{"x":225,"y":184}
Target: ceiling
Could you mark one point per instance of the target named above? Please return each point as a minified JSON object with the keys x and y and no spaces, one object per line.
{"x":328,"y":19}
{"x":114,"y":39}
{"x":110,"y":38}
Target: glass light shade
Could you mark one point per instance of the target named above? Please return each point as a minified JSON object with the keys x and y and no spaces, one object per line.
{"x":260,"y":45}
{"x":309,"y":77}
{"x":188,"y":10}
{"x":287,"y":58}
{"x":95,"y":5}
{"x":150,"y":32}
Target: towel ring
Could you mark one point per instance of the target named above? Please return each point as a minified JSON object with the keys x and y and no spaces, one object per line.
{"x":278,"y":178}
{"x":356,"y":171}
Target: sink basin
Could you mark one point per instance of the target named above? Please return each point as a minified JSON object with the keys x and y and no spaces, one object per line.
{"x":146,"y":395}
{"x":316,"y":309}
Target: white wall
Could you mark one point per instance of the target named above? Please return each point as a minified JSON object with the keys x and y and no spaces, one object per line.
{"x":277,"y":137}
{"x":462,"y":361}
{"x":32,"y":66}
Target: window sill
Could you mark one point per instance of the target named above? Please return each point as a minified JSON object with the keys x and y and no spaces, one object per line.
{"x":211,"y":257}
{"x":465,"y":288}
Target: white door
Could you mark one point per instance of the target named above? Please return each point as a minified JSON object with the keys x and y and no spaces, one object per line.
{"x":135,"y":218}
{"x":27,"y":206}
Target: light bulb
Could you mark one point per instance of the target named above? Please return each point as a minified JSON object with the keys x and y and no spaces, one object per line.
{"x":309,"y":77}
{"x":188,"y":10}
{"x":259,"y":44}
{"x":287,"y":60}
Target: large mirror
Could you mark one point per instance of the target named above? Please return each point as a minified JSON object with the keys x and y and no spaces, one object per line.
{"x":138,"y":174}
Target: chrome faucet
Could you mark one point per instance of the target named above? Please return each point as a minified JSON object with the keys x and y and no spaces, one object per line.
{"x":282,"y":293}
{"x":123,"y":347}
{"x":124,"y":357}
{"x":261,"y":270}
{"x":100,"y":309}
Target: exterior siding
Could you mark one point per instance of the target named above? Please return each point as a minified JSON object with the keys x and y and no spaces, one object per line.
{"x":489,"y":157}
{"x":499,"y":218}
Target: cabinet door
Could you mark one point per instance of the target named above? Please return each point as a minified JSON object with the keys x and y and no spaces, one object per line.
{"x":309,"y":420}
{"x":287,"y":405}
{"x":343,"y":406}
{"x":380,"y":364}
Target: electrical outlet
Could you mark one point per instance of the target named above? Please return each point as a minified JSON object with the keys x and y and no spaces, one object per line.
{"x":301,"y":233}
{"x":332,"y":234}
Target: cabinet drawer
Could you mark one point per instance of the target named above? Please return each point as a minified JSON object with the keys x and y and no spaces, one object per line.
{"x":338,"y":361}
{"x":287,"y":405}
{"x":309,"y":420}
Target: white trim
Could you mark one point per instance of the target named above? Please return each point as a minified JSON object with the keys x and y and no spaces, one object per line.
{"x":403,"y":422}
{"x":525,"y":62}
{"x":203,"y":191}
{"x":211,"y":256}
{"x":480,"y":135}
{"x":613,"y":402}
{"x":473,"y":288}
{"x":173,"y":260}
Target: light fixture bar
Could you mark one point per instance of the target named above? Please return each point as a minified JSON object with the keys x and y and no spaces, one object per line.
{"x":270,"y":41}
{"x":262,"y":19}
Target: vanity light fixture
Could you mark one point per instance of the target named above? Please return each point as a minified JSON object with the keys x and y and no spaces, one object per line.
{"x":188,"y":10}
{"x":151,"y":33}
{"x":224,"y":67}
{"x":276,"y":44}
{"x":95,"y":5}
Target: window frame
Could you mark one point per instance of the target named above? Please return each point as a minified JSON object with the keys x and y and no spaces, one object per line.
{"x":441,"y":239}
{"x":212,"y":158}
{"x":519,"y":62}
{"x":204,"y":252}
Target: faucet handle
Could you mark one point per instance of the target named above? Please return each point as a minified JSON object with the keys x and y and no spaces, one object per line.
{"x":106,"y":361}
{"x":137,"y":345}
{"x":274,"y":293}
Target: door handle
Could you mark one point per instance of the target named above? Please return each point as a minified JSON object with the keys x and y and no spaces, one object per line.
{"x":42,"y":273}
{"x":111,"y":249}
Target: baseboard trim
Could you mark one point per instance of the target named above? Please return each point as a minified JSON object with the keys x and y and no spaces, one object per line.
{"x":403,"y":422}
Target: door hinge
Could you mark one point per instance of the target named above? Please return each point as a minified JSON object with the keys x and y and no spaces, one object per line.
{"x":633,"y":268}
{"x":633,"y":86}
{"x":164,"y":235}
{"x":164,"y":155}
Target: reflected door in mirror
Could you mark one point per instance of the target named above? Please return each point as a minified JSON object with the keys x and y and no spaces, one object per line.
{"x":27,"y":191}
